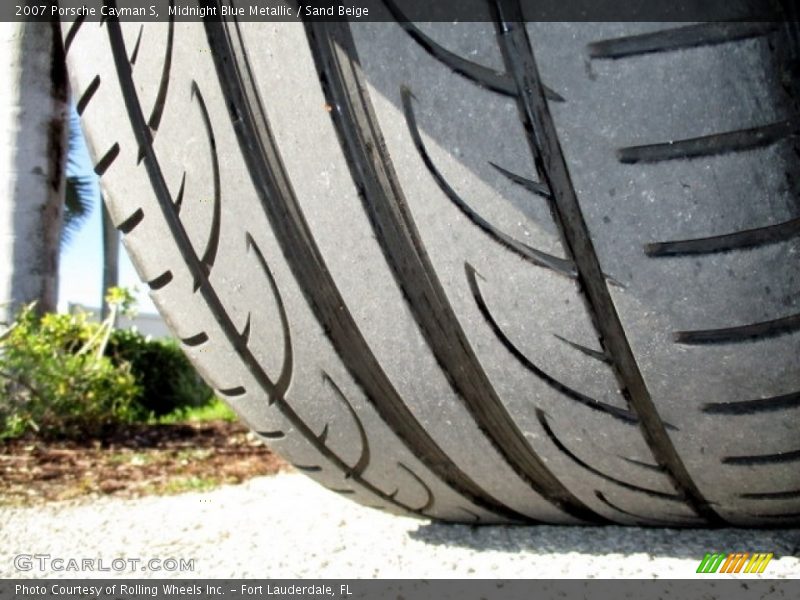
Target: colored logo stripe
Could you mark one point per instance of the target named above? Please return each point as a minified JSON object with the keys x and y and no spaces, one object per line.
{"x":710,"y":563}
{"x":758,"y":563}
{"x":734,"y":562}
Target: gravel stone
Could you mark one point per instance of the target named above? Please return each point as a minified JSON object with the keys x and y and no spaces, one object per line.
{"x":285,"y":526}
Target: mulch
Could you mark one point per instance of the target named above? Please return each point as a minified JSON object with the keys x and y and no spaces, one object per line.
{"x":133,"y":461}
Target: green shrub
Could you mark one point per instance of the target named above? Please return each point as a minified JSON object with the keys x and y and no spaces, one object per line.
{"x":166,"y":377}
{"x":54,"y":378}
{"x":64,"y":375}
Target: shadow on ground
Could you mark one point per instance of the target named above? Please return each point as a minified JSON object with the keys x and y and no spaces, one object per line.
{"x":547,"y":539}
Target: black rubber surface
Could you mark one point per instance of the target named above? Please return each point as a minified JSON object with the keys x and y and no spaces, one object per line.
{"x":485,"y":272}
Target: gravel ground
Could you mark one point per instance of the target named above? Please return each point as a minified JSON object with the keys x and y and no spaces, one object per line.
{"x":286,"y":526}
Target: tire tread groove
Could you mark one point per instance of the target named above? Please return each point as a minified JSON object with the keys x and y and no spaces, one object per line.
{"x":552,"y":169}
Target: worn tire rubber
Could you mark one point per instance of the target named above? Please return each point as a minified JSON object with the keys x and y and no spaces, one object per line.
{"x":481,"y":272}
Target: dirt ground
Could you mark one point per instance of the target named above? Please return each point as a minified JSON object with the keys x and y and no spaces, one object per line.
{"x":133,"y":461}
